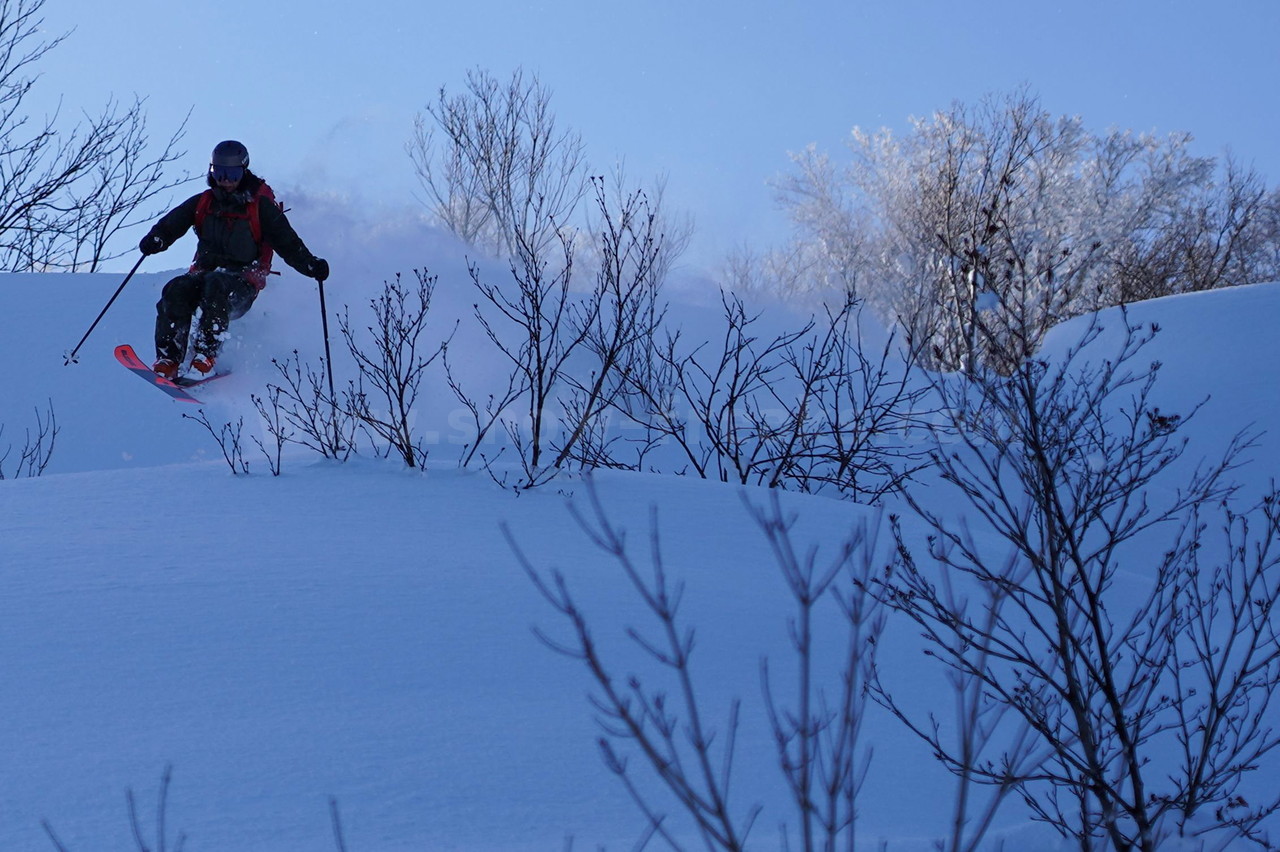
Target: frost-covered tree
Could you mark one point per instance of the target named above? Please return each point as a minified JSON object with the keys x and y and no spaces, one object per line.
{"x":1004,"y":216}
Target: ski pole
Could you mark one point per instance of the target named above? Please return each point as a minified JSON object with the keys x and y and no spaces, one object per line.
{"x":328,"y":363}
{"x":328,"y":359}
{"x":71,"y":356}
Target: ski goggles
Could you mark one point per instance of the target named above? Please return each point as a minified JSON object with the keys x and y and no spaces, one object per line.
{"x":229,"y":173}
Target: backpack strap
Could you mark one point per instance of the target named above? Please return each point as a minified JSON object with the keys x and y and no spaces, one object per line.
{"x":202,"y":209}
{"x":257,"y":274}
{"x":252,"y":211}
{"x":262,"y":268}
{"x":255,"y":211}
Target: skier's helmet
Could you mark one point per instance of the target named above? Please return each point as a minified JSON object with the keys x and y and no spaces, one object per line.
{"x":229,"y":161}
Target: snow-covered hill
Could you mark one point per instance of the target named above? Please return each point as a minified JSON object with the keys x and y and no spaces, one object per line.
{"x":361,"y":632}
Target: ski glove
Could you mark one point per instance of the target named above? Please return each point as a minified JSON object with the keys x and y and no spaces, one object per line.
{"x":151,"y":244}
{"x":319,"y":269}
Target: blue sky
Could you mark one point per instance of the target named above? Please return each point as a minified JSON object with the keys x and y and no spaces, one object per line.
{"x":710,"y":92}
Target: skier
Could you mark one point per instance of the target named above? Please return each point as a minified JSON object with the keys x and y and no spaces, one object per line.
{"x":238,"y":224}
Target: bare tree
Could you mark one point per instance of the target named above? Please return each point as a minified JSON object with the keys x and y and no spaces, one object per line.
{"x":64,"y":192}
{"x":538,"y":337}
{"x":503,"y":177}
{"x":335,"y":818}
{"x":987,"y":746}
{"x":305,"y":413}
{"x":616,"y":194}
{"x":394,"y":363}
{"x":619,"y":320}
{"x":37,"y":449}
{"x":819,"y":736}
{"x":1216,"y":235}
{"x":661,"y":716}
{"x":846,"y":412}
{"x":121,"y":183}
{"x":1074,"y":469}
{"x":276,"y":427}
{"x":455,"y":190}
{"x":676,"y":739}
{"x":727,"y":393}
{"x":1225,"y":668}
{"x":487,"y":414}
{"x":161,"y":841}
{"x":569,"y":349}
{"x":227,"y":437}
{"x":811,"y":409}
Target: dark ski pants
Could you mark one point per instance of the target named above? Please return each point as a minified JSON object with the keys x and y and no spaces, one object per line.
{"x":220,"y":296}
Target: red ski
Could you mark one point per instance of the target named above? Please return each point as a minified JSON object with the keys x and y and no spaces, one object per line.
{"x":176,"y":388}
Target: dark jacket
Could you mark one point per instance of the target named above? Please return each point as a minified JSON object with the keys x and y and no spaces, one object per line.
{"x":226,"y":242}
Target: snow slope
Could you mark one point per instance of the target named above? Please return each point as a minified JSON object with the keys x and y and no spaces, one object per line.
{"x":361,"y":632}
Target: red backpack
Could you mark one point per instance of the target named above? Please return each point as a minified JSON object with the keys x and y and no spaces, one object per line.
{"x":257,"y":273}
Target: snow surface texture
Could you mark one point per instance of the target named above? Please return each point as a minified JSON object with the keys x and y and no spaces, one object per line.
{"x":363,"y":633}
